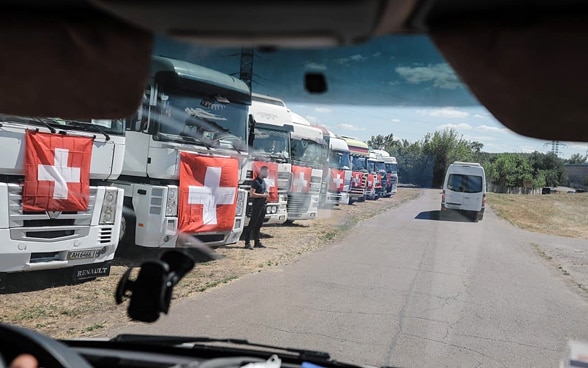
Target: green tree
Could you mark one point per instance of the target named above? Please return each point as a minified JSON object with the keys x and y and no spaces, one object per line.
{"x":576,"y":159}
{"x":383,"y":142}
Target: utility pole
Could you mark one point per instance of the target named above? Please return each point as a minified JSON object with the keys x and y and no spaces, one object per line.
{"x":246,"y":68}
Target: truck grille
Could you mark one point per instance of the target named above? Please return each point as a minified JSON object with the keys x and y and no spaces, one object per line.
{"x":38,"y":225}
{"x":298,"y":203}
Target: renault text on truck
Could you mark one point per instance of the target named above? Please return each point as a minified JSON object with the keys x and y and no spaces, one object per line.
{"x":270,"y":146}
{"x":359,"y":176}
{"x":337,"y":171}
{"x":308,"y":151}
{"x":59,"y":211}
{"x":464,"y":190}
{"x":184,"y":152}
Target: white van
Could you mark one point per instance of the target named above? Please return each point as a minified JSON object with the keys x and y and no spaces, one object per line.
{"x":464,"y":189}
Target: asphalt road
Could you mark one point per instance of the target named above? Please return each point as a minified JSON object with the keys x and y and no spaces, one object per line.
{"x":403,"y":289}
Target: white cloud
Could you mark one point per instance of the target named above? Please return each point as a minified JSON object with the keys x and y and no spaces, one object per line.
{"x":579,"y":146}
{"x":441,"y":75}
{"x":350,"y":127}
{"x":357,"y":57}
{"x":527,"y":149}
{"x":481,"y":116}
{"x":316,"y":66}
{"x":312,"y":119}
{"x":395,"y":120}
{"x":462,"y":126}
{"x":322,"y":109}
{"x":488,"y":128}
{"x":376,"y":54}
{"x":448,"y":112}
{"x":479,"y":138}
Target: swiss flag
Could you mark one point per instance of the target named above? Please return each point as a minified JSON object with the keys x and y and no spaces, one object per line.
{"x":356,"y":178}
{"x":371,"y":181}
{"x":389,"y":181}
{"x":301,"y":179}
{"x":272,"y":178}
{"x":208,"y":193}
{"x":57,"y":172}
{"x":337,"y":181}
{"x":378,"y":181}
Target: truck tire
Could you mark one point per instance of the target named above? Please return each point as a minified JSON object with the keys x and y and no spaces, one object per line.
{"x":126,"y":240}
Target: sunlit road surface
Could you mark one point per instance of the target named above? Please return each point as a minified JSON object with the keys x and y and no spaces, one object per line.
{"x":403,"y":289}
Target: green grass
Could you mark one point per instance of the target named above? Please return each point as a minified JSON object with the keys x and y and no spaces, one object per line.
{"x":554,"y":214}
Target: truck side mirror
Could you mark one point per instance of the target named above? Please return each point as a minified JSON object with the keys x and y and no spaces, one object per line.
{"x":251,"y":136}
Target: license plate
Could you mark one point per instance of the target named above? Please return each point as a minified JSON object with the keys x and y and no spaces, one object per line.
{"x":82,"y":254}
{"x":91,"y":271}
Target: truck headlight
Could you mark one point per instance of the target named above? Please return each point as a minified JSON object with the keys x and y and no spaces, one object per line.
{"x":171,"y":207}
{"x":268,"y":210}
{"x":274,"y":209}
{"x":241,"y":196}
{"x":108,"y":211}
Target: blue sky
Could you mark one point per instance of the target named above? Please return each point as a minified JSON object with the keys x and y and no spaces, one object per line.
{"x":397,"y":84}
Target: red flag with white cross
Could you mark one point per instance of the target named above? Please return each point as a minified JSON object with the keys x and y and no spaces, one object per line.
{"x":208,"y":193}
{"x":57,"y":172}
{"x":272,"y":178}
{"x":337,"y":181}
{"x":356,"y":179}
{"x":301,"y":179}
{"x":371,"y":181}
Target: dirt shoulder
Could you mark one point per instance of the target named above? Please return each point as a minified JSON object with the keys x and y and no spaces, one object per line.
{"x":88,"y":309}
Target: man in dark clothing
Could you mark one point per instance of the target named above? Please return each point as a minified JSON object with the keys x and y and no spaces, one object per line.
{"x":258,"y":193}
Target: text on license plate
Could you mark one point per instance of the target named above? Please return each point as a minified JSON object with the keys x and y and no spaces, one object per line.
{"x":83,"y":254}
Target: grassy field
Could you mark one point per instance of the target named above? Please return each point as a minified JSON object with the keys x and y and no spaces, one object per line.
{"x":554,"y":214}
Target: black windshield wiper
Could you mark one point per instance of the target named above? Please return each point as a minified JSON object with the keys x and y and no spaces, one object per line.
{"x":177,"y":340}
{"x":40,"y":121}
{"x":90,"y":127}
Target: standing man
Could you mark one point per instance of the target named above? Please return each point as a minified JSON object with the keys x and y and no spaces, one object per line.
{"x":258,"y":193}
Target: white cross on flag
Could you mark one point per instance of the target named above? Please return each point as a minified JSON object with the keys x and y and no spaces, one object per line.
{"x":301,"y":179}
{"x":337,"y":180}
{"x":57,"y":172}
{"x":208,"y":193}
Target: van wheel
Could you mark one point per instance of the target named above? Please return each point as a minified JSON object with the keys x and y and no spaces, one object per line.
{"x":480,"y":215}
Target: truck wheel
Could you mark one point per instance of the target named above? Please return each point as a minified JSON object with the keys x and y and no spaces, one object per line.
{"x":126,"y":240}
{"x":289,"y":222}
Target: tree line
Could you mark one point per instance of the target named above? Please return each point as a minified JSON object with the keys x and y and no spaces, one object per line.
{"x":425,"y":161}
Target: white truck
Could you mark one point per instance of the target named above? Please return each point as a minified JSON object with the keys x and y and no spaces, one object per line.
{"x":59,"y":212}
{"x":391,"y":168}
{"x":185,"y":149}
{"x":308,"y":151}
{"x":270,"y":146}
{"x":337,"y":171}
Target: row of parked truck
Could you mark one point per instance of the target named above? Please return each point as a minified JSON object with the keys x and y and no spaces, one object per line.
{"x":74,"y":191}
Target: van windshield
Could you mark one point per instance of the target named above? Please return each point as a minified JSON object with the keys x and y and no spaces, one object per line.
{"x":464,"y":183}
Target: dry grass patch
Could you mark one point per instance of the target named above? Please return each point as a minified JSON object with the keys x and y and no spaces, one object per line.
{"x":88,"y":309}
{"x":554,"y":214}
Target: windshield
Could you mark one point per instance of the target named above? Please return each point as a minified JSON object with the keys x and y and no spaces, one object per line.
{"x":339,"y":160}
{"x":359,"y":163}
{"x":116,"y":127}
{"x":275,"y":143}
{"x":201,"y":116}
{"x":307,"y":153}
{"x":380,"y":166}
{"x":391,"y":168}
{"x":437,"y":269}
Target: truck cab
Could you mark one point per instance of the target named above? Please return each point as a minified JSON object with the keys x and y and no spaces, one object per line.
{"x":338,"y":178}
{"x":60,"y":212}
{"x":389,"y":173}
{"x":359,"y":174}
{"x":269,"y":144}
{"x":308,"y":150}
{"x":186,"y":146}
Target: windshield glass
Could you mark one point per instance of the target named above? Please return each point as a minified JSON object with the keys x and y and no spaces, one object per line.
{"x":359,"y":163}
{"x":192,"y":115}
{"x":339,"y":160}
{"x":464,"y":183}
{"x":275,"y":143}
{"x":307,"y":153}
{"x":391,"y":168}
{"x":380,"y":166}
{"x":470,"y":272}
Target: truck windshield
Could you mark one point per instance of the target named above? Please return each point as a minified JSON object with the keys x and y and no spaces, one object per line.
{"x":307,"y":153}
{"x":200,"y":116}
{"x":464,"y":183}
{"x":339,"y":160}
{"x":116,"y":127}
{"x":359,"y":163}
{"x":380,"y":166}
{"x":371,"y":166}
{"x":391,"y":168}
{"x":273,"y":143}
